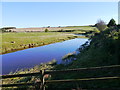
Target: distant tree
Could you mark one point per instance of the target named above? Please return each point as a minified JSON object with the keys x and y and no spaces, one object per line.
{"x":48,"y":26}
{"x":95,"y":25}
{"x":7,"y":29}
{"x":111,"y":23}
{"x":101,"y":25}
{"x":2,"y":30}
{"x":46,"y":30}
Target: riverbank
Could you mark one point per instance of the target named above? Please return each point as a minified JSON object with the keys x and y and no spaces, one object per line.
{"x":103,"y":50}
{"x":33,"y":56}
{"x":48,"y":65}
{"x":12,"y":42}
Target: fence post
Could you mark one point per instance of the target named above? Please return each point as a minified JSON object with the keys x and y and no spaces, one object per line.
{"x":42,"y":86}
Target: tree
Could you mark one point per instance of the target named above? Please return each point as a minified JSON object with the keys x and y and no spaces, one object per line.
{"x":2,"y":30}
{"x":48,"y":26}
{"x":111,"y":23}
{"x":101,"y":25}
{"x":7,"y":29}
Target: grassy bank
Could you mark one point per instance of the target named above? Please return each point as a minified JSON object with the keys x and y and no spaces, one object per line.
{"x":103,"y":50}
{"x":18,"y":41}
{"x":37,"y":68}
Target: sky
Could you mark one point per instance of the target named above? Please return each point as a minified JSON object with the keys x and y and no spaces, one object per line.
{"x":43,"y":14}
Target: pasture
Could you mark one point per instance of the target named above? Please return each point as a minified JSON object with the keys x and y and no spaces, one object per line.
{"x":18,"y":41}
{"x":42,"y":29}
{"x":29,"y":38}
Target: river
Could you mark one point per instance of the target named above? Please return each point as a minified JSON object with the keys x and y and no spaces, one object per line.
{"x":34,"y":56}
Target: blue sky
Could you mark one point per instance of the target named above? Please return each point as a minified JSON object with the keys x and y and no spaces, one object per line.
{"x":42,"y":14}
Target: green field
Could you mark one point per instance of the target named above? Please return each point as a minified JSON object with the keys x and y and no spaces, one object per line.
{"x":18,"y":41}
{"x":14,"y":41}
{"x":80,"y":28}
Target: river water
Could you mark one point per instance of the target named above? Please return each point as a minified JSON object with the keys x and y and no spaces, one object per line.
{"x":34,"y":56}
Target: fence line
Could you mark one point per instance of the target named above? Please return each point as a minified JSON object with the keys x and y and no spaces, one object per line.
{"x":59,"y":81}
{"x":18,"y":84}
{"x":79,"y":69}
{"x":42,"y":83}
{"x":56,"y":71}
{"x":20,"y":75}
{"x":84,"y":79}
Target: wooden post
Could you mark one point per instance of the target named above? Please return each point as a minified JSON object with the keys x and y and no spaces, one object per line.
{"x":42,"y":86}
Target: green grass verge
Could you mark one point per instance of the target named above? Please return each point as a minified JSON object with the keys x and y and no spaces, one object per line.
{"x":18,"y":41}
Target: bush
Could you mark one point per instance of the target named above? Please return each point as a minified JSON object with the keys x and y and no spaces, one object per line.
{"x":118,"y":26}
{"x":101,"y":25}
{"x":46,"y":30}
